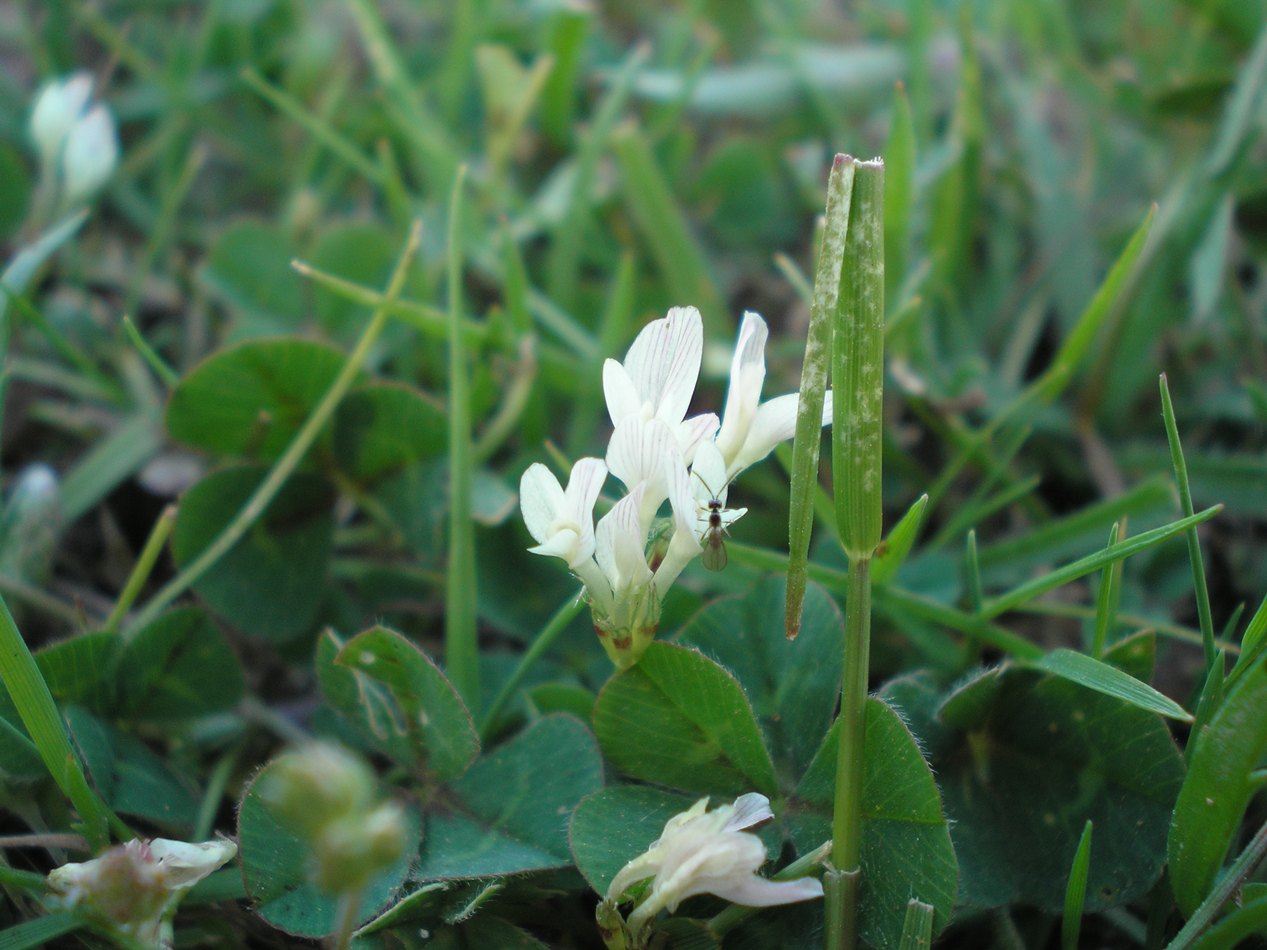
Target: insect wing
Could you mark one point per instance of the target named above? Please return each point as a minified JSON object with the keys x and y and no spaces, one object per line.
{"x":714,"y":557}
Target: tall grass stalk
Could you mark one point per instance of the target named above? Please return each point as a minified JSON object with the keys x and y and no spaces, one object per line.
{"x":858,"y":384}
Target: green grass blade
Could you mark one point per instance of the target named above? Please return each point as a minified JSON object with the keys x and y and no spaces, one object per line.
{"x":38,"y":932}
{"x":563,"y":264}
{"x":1076,"y":892}
{"x":1109,"y":680}
{"x":1106,"y":597}
{"x":38,"y":711}
{"x":461,"y":643}
{"x":972,"y":573}
{"x":892,"y":553}
{"x":815,"y":370}
{"x":858,"y":369}
{"x":1093,"y":562}
{"x":666,"y":233}
{"x":1194,"y":542}
{"x":1245,"y":105}
{"x":1254,"y":638}
{"x":151,"y":356}
{"x":318,"y":127}
{"x":1107,"y":300}
{"x":917,"y":927}
{"x":899,"y":192}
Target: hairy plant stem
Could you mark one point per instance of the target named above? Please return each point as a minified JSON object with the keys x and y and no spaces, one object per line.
{"x":857,"y":433}
{"x":349,"y":907}
{"x":844,"y":878}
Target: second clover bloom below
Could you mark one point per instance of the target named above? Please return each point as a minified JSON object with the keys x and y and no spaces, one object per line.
{"x":707,"y":852}
{"x":631,"y":559}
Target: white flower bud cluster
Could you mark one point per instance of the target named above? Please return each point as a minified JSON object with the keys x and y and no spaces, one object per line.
{"x":75,"y":137}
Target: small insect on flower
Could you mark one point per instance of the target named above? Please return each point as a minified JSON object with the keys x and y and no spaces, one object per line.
{"x":714,"y":556}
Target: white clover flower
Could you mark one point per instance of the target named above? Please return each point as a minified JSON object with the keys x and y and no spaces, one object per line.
{"x":703,"y":852}
{"x":76,"y":139}
{"x":749,"y":428}
{"x":657,"y":379}
{"x":629,"y":562}
{"x":58,"y":106}
{"x":134,"y":888}
{"x":562,"y":521}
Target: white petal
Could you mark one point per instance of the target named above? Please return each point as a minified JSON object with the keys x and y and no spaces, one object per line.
{"x":620,"y":544}
{"x":694,"y":431}
{"x":775,"y":422}
{"x":59,"y":105}
{"x":678,"y":482}
{"x":755,"y":891}
{"x":747,"y":376}
{"x":639,"y":869}
{"x":541,"y":500}
{"x":708,"y":475}
{"x":584,"y":484}
{"x":827,"y":408}
{"x":90,"y":154}
{"x":636,"y":455}
{"x":707,"y":862}
{"x":564,"y":544}
{"x":750,"y":809}
{"x":187,"y":863}
{"x":623,"y":398}
{"x":664,"y":362}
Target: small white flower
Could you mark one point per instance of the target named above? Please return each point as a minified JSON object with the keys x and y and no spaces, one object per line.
{"x":562,"y":521}
{"x":58,"y":106}
{"x":657,"y":379}
{"x":703,"y":852}
{"x":749,"y":428}
{"x":134,"y":887}
{"x":76,"y":139}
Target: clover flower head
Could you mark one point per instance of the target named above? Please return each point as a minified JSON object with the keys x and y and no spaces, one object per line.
{"x":707,"y":852}
{"x":631,"y":559}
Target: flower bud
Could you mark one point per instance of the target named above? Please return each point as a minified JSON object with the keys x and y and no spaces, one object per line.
{"x":311,"y":787}
{"x":326,"y":795}
{"x":58,"y":106}
{"x":348,"y":853}
{"x":76,"y":139}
